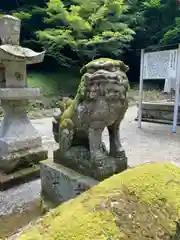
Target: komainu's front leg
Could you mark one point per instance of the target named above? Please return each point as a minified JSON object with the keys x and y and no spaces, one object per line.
{"x":114,"y":140}
{"x":95,"y":143}
{"x":65,"y":140}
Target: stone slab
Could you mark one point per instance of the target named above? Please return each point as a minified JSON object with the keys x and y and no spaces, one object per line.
{"x":19,"y":93}
{"x":158,"y":112}
{"x":78,"y":159}
{"x":22,"y":159}
{"x":19,"y":177}
{"x":159,"y":121}
{"x":59,"y":183}
{"x":160,"y":105}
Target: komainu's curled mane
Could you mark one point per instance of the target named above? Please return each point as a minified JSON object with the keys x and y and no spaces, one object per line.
{"x":100,"y":102}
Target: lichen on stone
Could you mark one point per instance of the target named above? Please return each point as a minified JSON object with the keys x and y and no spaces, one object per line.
{"x":69,"y":106}
{"x":102,"y":62}
{"x":141,"y":203}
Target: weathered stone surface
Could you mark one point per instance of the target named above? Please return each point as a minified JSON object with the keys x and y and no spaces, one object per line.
{"x":10,"y":30}
{"x":17,"y":53}
{"x":19,"y":177}
{"x":60,"y":183}
{"x":100,"y":102}
{"x":78,"y":158}
{"x":20,"y":142}
{"x":22,"y":159}
{"x":20,"y":93}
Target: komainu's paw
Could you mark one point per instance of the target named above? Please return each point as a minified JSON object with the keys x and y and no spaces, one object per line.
{"x":117,"y":153}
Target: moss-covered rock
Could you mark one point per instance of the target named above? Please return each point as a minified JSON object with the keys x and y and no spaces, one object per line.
{"x":139,"y":204}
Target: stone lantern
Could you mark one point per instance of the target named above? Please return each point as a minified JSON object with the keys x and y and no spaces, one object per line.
{"x":20,"y":142}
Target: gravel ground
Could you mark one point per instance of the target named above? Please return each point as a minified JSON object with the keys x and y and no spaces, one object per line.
{"x":13,"y":200}
{"x":154,"y":142}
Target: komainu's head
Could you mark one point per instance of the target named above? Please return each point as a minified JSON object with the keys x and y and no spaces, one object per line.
{"x":105,"y":78}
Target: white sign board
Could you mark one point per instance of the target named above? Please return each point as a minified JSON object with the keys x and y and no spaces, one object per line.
{"x":160,"y":65}
{"x":172,"y":64}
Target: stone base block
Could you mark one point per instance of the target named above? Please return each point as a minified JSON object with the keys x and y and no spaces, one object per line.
{"x":60,"y":183}
{"x":158,"y":112}
{"x":19,"y":177}
{"x":78,"y":158}
{"x":22,"y":159}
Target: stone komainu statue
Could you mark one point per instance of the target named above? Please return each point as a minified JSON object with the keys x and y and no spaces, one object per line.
{"x":100,"y":102}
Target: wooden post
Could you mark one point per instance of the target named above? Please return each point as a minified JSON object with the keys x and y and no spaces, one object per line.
{"x":176,"y":105}
{"x":140,"y":89}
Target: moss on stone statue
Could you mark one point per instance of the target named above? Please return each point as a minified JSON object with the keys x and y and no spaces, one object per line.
{"x":102,"y":61}
{"x":105,"y":60}
{"x":140,"y":203}
{"x":68,"y":106}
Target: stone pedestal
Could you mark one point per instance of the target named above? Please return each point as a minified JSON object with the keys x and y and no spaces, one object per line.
{"x":20,"y":143}
{"x":78,"y":159}
{"x":60,"y":183}
{"x":158,"y":112}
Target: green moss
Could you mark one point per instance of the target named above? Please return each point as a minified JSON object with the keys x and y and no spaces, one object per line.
{"x":81,"y":90}
{"x":69,"y":106}
{"x":67,"y":123}
{"x":119,"y":63}
{"x":105,"y":60}
{"x":140,"y":203}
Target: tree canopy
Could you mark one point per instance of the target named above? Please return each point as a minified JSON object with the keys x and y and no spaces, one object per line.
{"x":89,"y":28}
{"x":74,"y":31}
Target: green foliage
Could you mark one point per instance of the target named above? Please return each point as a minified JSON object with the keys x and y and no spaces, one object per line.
{"x":173,"y":33}
{"x":54,"y":84}
{"x":22,"y":15}
{"x":160,"y":21}
{"x":88,"y":28}
{"x":76,"y":31}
